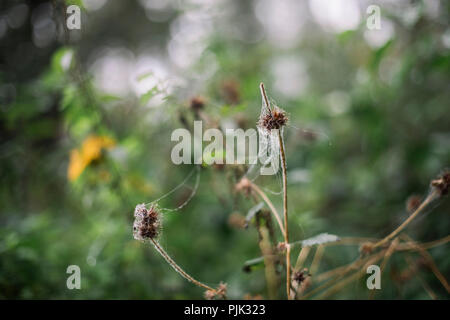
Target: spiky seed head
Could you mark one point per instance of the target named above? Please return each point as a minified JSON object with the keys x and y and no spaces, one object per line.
{"x":301,"y":275}
{"x":197,"y":103}
{"x":413,"y":202}
{"x":147,"y":222}
{"x":275,"y":119}
{"x":230,"y":92}
{"x":366,"y":248}
{"x":244,"y":185}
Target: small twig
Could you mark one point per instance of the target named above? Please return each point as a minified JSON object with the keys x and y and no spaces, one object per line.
{"x":317,"y":258}
{"x":358,"y":274}
{"x":285,"y":211}
{"x":422,"y":206}
{"x":427,"y":288}
{"x":269,"y":204}
{"x":264,"y":95}
{"x":177,"y":268}
{"x":430,"y":262}
{"x":269,"y":258}
{"x":425,"y":245}
{"x":386,"y":257}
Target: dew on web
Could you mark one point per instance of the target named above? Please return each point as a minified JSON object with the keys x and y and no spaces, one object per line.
{"x":195,"y":171}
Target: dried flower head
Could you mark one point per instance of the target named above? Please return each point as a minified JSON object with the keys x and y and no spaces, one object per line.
{"x":147,"y":222}
{"x":219,"y":293}
{"x":197,"y":103}
{"x":274,"y":119}
{"x":281,"y":246}
{"x":230,"y":92}
{"x":442,"y":184}
{"x":413,"y":202}
{"x":244,"y":185}
{"x":300,"y":276}
{"x":366,"y":248}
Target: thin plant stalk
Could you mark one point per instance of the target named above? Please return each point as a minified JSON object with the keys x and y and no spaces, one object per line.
{"x":270,"y":204}
{"x":177,"y":268}
{"x":431,"y":264}
{"x":422,"y":206}
{"x":285,"y":214}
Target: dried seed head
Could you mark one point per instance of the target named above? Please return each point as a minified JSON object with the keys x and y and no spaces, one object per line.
{"x":147,"y":222}
{"x":413,"y":203}
{"x":230,"y":92}
{"x":300,"y":276}
{"x":197,"y":103}
{"x":244,"y":185}
{"x":281,"y":246}
{"x":210,"y":294}
{"x":442,"y":184}
{"x":219,"y":293}
{"x":275,"y":119}
{"x":366,"y":248}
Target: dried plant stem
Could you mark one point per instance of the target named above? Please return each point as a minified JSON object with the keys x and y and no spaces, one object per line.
{"x":349,"y":241}
{"x":337,"y":274}
{"x":269,"y":260}
{"x":431,"y":264}
{"x":422,"y":206}
{"x":386,"y":257}
{"x":269,"y":204}
{"x":177,"y":268}
{"x":263,"y":93}
{"x":316,"y":260}
{"x":427,"y":288}
{"x":285,"y":214}
{"x":358,"y":274}
{"x":302,"y":256}
{"x":426,"y":245}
